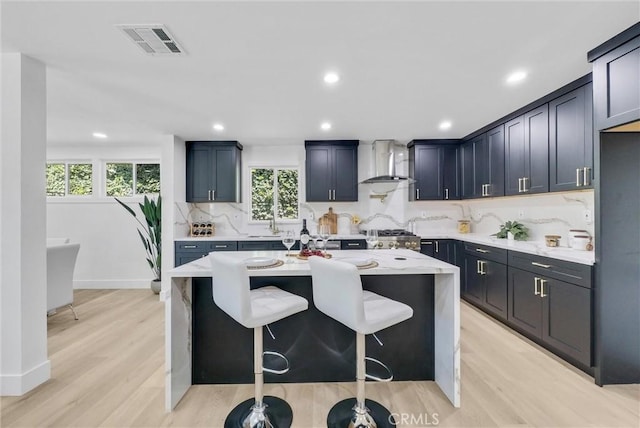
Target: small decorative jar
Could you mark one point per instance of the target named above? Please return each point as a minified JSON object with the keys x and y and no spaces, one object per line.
{"x":464,"y":226}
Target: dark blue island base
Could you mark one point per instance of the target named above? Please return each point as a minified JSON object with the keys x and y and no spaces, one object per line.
{"x":319,"y":348}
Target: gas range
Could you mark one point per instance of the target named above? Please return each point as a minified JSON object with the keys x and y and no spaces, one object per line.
{"x":397,"y":238}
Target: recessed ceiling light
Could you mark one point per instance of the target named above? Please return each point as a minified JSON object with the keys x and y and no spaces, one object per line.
{"x":444,"y":125}
{"x":218,"y":127}
{"x":99,"y":135}
{"x":516,"y":77}
{"x":331,"y":78}
{"x":325,"y":126}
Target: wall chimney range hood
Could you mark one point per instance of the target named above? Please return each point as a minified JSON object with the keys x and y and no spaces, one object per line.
{"x":384,"y":156}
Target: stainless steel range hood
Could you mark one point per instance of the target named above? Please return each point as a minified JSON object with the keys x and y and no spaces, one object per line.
{"x":384,"y":155}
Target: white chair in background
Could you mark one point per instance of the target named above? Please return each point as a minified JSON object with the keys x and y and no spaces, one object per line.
{"x":61,"y":262}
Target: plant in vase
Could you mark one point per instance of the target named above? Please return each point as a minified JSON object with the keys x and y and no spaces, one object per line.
{"x":517,"y":230}
{"x":150,"y":234}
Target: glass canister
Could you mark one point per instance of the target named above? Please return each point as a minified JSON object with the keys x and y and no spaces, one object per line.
{"x":464,"y":226}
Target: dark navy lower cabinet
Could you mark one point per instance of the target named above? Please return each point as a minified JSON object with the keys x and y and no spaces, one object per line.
{"x":353,"y":244}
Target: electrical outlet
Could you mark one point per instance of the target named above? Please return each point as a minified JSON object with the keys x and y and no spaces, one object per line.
{"x":423,"y":214}
{"x":586,"y":215}
{"x":521,"y":214}
{"x":311,"y":215}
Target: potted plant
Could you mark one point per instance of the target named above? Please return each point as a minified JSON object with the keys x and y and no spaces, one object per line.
{"x":150,"y":234}
{"x":513,"y":230}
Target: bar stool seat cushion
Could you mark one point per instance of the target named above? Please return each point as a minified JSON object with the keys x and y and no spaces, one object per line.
{"x":251,"y":308}
{"x":337,"y":292}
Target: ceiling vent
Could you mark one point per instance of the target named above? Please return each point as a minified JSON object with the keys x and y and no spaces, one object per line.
{"x":152,"y":39}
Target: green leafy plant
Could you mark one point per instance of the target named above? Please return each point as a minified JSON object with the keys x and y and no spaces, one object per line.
{"x":519,"y":231}
{"x":151,"y":231}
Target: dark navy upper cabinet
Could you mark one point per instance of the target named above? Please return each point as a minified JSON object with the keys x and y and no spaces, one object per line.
{"x":483,"y":165}
{"x":434,"y":165}
{"x":331,"y":170}
{"x":571,"y":140}
{"x":213,"y":171}
{"x":527,"y":152}
{"x":616,"y":79}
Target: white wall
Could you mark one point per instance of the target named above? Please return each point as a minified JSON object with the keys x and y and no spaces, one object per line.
{"x":111,"y":253}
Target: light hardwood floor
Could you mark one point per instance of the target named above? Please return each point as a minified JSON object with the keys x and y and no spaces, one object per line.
{"x":108,"y":371}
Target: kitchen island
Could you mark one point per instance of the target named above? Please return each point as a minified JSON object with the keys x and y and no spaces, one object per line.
{"x":398,"y":271}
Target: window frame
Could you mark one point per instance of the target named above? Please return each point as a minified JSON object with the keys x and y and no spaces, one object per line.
{"x":66,"y":163}
{"x":134,"y":162}
{"x":275,"y":168}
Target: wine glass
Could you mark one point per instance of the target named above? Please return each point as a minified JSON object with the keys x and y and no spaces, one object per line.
{"x":372,"y":238}
{"x":324,"y":232}
{"x":288,"y":239}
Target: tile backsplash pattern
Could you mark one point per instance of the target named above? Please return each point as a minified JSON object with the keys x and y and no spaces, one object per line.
{"x":549,"y":213}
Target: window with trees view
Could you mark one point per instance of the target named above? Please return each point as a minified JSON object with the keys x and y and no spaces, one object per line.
{"x":69,"y":179}
{"x":128,"y":179}
{"x":274,"y":190}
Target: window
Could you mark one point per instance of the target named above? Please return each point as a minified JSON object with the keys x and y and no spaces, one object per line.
{"x":128,"y":179}
{"x":274,"y":190}
{"x":69,"y":179}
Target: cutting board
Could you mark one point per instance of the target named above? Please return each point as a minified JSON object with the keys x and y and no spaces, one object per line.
{"x":331,"y":219}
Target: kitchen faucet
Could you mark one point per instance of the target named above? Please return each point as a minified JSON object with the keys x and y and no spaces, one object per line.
{"x":273,"y":227}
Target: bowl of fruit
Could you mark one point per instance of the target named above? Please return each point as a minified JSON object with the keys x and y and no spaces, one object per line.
{"x":306,"y":253}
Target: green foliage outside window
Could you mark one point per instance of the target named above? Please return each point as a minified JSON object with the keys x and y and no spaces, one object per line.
{"x":55,"y":179}
{"x":80,"y":179}
{"x":119,"y":179}
{"x":147,"y":178}
{"x":271,"y":186}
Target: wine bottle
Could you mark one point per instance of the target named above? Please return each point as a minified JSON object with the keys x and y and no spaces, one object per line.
{"x":304,"y":236}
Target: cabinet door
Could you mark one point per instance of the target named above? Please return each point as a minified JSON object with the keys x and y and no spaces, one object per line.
{"x":445,"y":250}
{"x":524,"y":305}
{"x":536,"y":131}
{"x":428,"y":247}
{"x":571,"y":140}
{"x":450,"y":165}
{"x":514,"y":147}
{"x":345,"y":174}
{"x":481,"y":164}
{"x":318,"y":173}
{"x":474,"y":282}
{"x":495,"y":283}
{"x":226,"y":179}
{"x":567,"y":319}
{"x":200,"y":161}
{"x":428,"y":173}
{"x":184,"y":258}
{"x":468,"y":170}
{"x":495,"y":162}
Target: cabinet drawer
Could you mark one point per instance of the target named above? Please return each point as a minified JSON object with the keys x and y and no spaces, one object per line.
{"x":574,"y":273}
{"x":254,"y":245}
{"x":490,"y":253}
{"x":192,"y":246}
{"x":223,"y":246}
{"x":353,"y":244}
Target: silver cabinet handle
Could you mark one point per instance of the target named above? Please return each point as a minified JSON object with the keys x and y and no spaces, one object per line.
{"x":329,"y":194}
{"x":542,"y":283}
{"x":536,"y":285}
{"x":540,"y":265}
{"x":353,"y":244}
{"x":209,"y":195}
{"x":190,"y":246}
{"x":334,"y":194}
{"x":520,"y":185}
{"x":417,"y":193}
{"x":446,"y":193}
{"x":524,"y":184}
{"x":578,"y":177}
{"x":478,"y":267}
{"x":485,"y":189}
{"x":426,"y":242}
{"x":586,"y":176}
{"x":213,"y":195}
{"x":480,"y":250}
{"x":482,"y":264}
{"x":437,"y":247}
{"x":221,"y":246}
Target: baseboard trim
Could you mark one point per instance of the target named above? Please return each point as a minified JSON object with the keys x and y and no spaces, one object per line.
{"x":17,"y":385}
{"x":108,"y":284}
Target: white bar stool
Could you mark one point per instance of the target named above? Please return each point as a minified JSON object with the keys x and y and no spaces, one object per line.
{"x":337,"y":292}
{"x":254,"y":309}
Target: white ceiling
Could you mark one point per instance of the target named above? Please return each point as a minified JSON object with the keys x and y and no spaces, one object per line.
{"x":257,"y":67}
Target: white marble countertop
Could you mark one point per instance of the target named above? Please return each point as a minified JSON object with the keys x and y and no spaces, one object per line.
{"x":388,"y":264}
{"x":530,"y":247}
{"x":265,"y":237}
